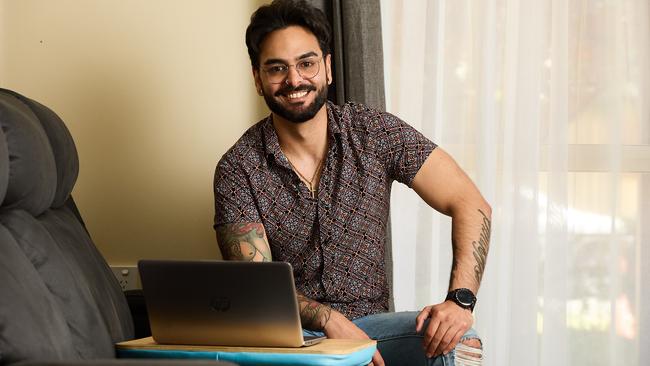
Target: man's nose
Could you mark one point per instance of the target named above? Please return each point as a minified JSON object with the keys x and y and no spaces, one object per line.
{"x":293,"y":77}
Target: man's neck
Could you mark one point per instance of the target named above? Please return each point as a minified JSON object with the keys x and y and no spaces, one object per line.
{"x":303,"y":141}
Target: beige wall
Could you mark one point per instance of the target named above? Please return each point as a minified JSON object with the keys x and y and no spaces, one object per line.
{"x":153,"y":92}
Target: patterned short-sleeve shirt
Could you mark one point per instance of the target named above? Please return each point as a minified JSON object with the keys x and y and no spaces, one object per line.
{"x":335,"y":241}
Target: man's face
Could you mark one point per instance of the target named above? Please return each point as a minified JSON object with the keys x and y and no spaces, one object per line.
{"x":296,"y":98}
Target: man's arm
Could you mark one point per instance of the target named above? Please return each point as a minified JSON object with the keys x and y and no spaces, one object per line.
{"x":447,"y":189}
{"x":313,"y":315}
{"x":317,"y":316}
{"x":244,"y":242}
{"x":248,"y":242}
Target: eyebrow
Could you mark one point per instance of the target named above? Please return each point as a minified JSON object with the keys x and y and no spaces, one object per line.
{"x":281,"y":61}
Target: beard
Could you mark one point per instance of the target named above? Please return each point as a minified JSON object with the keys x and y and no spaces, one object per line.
{"x":303,"y":114}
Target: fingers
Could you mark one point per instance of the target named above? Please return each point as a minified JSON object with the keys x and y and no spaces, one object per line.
{"x":446,"y":326}
{"x":419,"y":320}
{"x":447,"y":342}
{"x":440,"y":337}
{"x":454,"y":341}
{"x":430,"y":332}
{"x":377,"y":360}
{"x":340,"y":327}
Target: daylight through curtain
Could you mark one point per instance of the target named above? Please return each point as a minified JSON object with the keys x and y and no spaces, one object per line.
{"x":546,"y":105}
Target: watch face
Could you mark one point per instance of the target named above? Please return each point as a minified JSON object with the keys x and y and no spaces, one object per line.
{"x":464,"y":297}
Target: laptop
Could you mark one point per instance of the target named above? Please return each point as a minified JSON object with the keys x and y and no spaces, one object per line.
{"x":222,"y":303}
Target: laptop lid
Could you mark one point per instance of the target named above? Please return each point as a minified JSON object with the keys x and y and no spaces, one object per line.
{"x":226,"y":303}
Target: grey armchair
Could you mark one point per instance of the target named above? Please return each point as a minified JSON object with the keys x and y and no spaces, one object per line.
{"x":59,"y":301}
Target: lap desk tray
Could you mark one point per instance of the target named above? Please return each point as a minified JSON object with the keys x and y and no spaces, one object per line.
{"x":341,"y":352}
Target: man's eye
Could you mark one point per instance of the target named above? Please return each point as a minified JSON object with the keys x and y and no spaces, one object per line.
{"x":306,"y":64}
{"x":277,"y":69}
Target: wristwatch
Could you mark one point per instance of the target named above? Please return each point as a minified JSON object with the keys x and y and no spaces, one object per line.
{"x":463,"y":297}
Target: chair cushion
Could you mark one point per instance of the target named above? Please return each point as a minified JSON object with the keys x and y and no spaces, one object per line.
{"x":32,"y":168}
{"x":4,"y":164}
{"x":83,"y":257}
{"x":32,"y":324}
{"x":72,"y":294}
{"x":63,"y":148}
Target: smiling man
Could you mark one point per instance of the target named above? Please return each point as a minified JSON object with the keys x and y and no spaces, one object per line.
{"x":310,"y":185}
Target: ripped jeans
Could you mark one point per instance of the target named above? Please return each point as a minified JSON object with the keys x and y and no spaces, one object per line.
{"x":399,"y":344}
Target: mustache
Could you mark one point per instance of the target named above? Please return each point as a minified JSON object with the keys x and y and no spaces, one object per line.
{"x":290,"y":89}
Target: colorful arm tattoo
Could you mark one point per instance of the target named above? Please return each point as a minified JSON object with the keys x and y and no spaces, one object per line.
{"x":244,"y":242}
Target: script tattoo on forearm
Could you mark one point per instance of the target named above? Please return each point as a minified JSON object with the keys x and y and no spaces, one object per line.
{"x":244,"y":242}
{"x":314,"y":315}
{"x":481,"y":248}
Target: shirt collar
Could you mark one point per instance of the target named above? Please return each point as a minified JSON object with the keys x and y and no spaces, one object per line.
{"x":271,"y":142}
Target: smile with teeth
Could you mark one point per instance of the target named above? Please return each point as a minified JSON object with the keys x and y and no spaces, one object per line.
{"x":296,"y":95}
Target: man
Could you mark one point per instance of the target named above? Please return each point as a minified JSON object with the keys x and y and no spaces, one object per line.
{"x":310,"y":185}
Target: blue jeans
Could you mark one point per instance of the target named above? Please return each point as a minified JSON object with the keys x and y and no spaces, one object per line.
{"x":399,"y":344}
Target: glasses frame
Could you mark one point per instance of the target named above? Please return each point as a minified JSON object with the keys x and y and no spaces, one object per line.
{"x":319,"y":58}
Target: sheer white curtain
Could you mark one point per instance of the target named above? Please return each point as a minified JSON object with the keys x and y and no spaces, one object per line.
{"x":545,"y":103}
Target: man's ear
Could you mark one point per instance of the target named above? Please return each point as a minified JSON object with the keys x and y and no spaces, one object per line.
{"x":258,"y":80}
{"x":328,"y":68}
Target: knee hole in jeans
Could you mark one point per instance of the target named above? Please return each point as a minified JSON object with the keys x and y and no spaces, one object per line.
{"x":469,"y":353}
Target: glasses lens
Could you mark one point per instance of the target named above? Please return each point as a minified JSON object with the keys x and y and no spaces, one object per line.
{"x":308,"y":68}
{"x":276,"y":73}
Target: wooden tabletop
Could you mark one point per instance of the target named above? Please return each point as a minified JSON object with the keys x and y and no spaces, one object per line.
{"x":327,"y":346}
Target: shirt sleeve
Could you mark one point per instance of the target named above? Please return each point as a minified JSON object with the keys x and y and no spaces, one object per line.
{"x":403,"y":148}
{"x":233,"y":200}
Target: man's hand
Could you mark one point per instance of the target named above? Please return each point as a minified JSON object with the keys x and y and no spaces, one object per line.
{"x":340,"y":327}
{"x":448,"y":322}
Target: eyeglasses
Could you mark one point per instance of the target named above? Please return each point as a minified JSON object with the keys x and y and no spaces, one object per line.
{"x":307,"y":68}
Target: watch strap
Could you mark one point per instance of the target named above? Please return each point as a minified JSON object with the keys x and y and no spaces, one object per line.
{"x":453,"y":296}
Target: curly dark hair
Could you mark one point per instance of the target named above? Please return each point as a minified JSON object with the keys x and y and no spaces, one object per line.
{"x":281,"y":14}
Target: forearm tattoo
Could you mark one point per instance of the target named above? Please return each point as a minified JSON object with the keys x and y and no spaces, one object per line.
{"x":481,"y":248}
{"x":245,"y":242}
{"x":313,"y":315}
